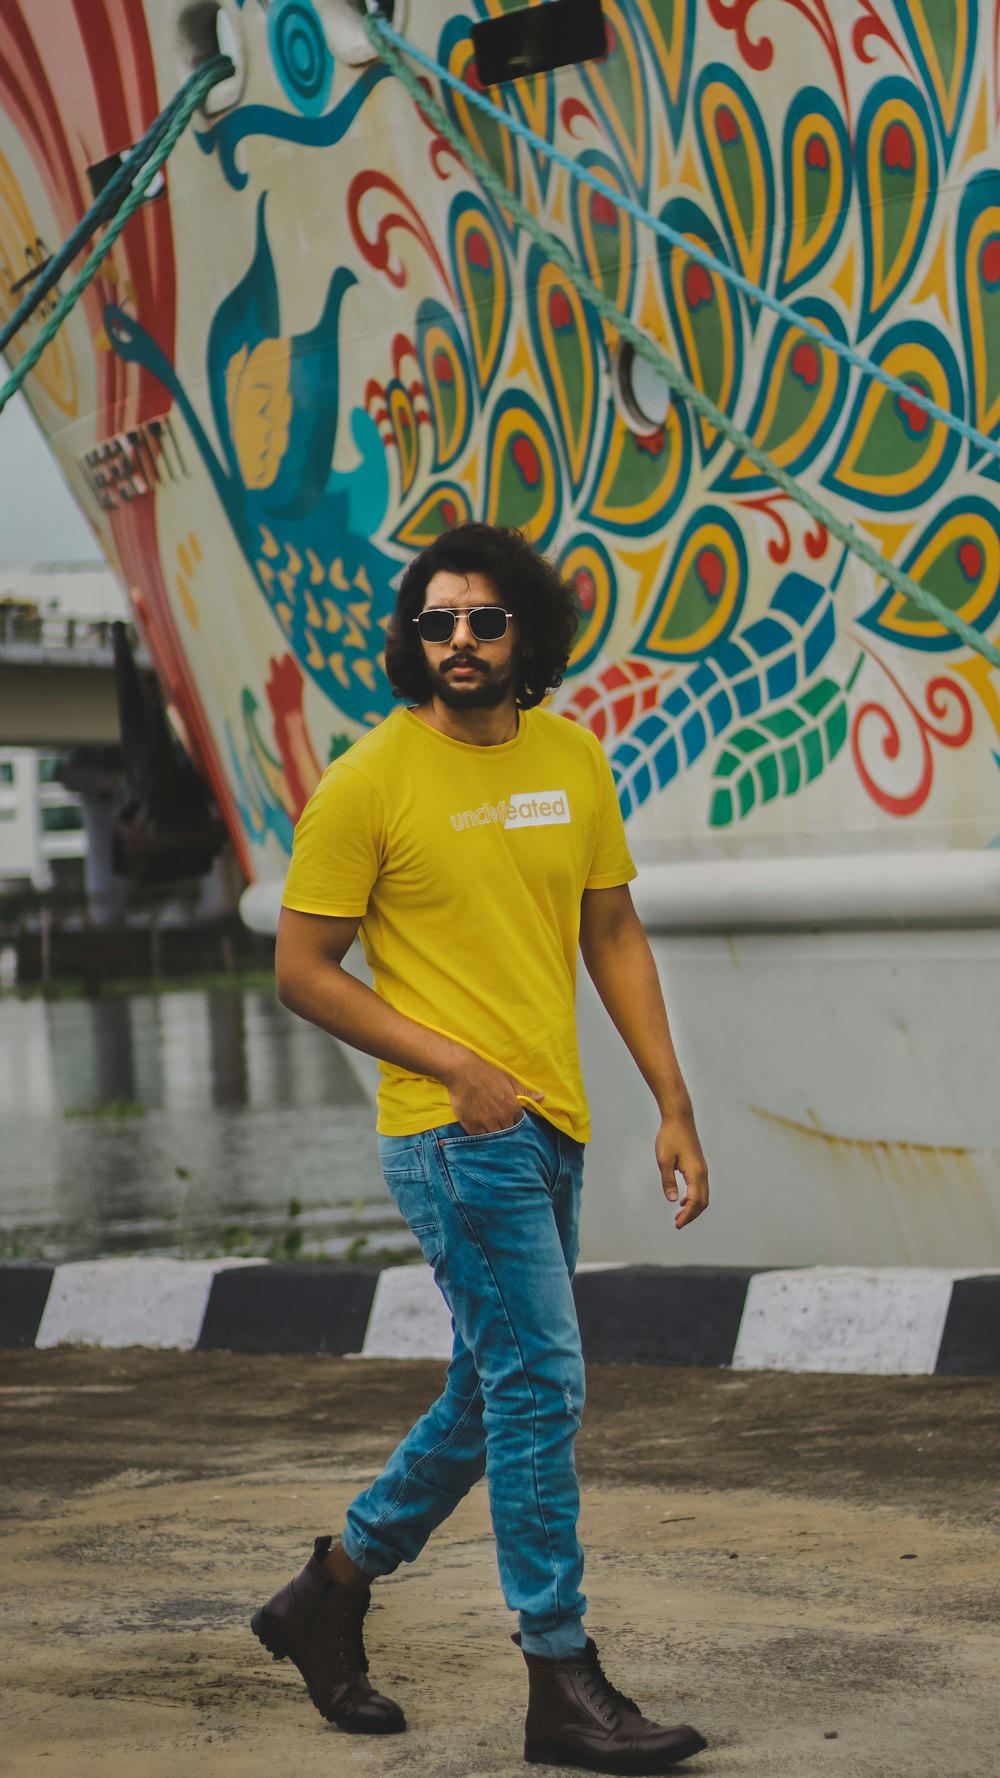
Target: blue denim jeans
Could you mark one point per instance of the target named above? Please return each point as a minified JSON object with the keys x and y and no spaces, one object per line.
{"x":497,"y":1218}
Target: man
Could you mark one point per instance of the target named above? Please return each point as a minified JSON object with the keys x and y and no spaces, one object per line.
{"x":475,"y":841}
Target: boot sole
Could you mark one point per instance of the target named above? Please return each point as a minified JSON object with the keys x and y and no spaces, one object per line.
{"x":351,"y":1726}
{"x":642,"y":1765}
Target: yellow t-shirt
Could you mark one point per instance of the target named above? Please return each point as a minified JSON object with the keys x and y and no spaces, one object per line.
{"x":468,"y":864}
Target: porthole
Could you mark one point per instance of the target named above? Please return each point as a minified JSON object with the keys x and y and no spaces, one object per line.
{"x":344,"y":30}
{"x":643,"y":393}
{"x":205,"y":29}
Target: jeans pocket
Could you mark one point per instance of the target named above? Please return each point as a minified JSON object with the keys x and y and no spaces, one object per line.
{"x":410,"y":1188}
{"x":484,"y":1135}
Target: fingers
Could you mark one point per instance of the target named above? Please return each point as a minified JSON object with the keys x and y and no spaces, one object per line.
{"x":669,"y":1178}
{"x":694,"y":1201}
{"x":668,"y":1175}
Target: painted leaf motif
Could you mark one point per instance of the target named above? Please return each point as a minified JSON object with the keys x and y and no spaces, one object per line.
{"x":737,"y":159}
{"x":617,"y":86}
{"x":800,"y":400}
{"x":943,"y":42}
{"x":566,"y":341}
{"x":816,"y":175}
{"x":403,"y":418}
{"x":640,"y":480}
{"x":893,"y":455}
{"x":669,"y":27}
{"x":703,"y":589}
{"x":958,"y":560}
{"x":780,"y":753}
{"x":705,"y":313}
{"x":490,"y":139}
{"x":589,"y":569}
{"x":897,"y":163}
{"x":483,"y":281}
{"x":444,"y":369}
{"x":437,"y":511}
{"x":762,"y":664}
{"x":977,"y":280}
{"x":611,"y":699}
{"x":522,"y":469}
{"x":605,"y":234}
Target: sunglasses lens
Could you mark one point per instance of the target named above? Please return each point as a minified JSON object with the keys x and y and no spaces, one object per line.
{"x":488,"y":623}
{"x":435,"y":626}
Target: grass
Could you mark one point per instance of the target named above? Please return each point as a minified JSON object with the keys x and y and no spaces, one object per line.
{"x":239,"y":1242}
{"x":115,"y":1111}
{"x":236,"y":1241}
{"x":12,"y":1247}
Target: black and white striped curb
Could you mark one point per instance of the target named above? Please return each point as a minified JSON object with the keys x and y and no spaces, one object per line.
{"x":878,"y":1320}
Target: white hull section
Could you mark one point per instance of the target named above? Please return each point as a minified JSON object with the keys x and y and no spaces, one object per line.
{"x":845,"y":1091}
{"x":844,"y":1081}
{"x":325,"y":341}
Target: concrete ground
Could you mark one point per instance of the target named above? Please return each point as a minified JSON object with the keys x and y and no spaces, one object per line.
{"x":805,"y":1567}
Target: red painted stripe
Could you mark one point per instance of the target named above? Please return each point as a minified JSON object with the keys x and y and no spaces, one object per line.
{"x":35,"y":76}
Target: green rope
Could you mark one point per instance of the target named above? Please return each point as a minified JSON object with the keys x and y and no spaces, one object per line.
{"x":201,"y":84}
{"x":655,"y":356}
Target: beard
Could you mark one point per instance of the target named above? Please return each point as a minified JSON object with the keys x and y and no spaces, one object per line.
{"x":482,"y":692}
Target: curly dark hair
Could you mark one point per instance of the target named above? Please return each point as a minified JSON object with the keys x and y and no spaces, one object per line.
{"x":545,"y":607}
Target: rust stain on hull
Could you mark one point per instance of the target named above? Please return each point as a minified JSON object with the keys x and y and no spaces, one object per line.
{"x":876,"y":1201}
{"x":869,"y":1143}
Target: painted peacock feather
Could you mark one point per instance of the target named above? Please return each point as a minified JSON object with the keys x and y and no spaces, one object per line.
{"x":716,"y":624}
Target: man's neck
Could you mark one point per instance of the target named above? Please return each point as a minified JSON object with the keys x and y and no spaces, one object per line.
{"x":477,"y":728}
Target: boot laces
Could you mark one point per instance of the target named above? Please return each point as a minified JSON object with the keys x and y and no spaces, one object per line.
{"x":605,"y":1696}
{"x":352,"y":1635}
{"x":357,"y":1626}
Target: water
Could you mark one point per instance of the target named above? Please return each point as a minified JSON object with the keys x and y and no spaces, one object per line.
{"x":184,"y":1124}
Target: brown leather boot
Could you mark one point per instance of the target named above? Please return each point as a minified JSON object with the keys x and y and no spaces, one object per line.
{"x":316,"y":1622}
{"x":576,"y":1717}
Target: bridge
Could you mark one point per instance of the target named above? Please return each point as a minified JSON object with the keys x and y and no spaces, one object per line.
{"x":57,"y":682}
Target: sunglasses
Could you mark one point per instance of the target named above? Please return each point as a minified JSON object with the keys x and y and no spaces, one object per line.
{"x":487,"y":622}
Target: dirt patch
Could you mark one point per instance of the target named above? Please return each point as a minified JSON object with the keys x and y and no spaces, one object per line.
{"x":774,"y":1558}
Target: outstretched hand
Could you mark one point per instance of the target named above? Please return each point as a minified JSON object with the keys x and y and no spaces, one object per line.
{"x":678,"y":1150}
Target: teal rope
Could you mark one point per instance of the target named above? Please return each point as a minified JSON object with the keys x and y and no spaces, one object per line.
{"x":654,"y":355}
{"x":101,"y":210}
{"x":157,"y":145}
{"x":383,"y":37}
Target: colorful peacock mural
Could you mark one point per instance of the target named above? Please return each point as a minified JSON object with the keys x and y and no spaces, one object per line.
{"x":352,"y":345}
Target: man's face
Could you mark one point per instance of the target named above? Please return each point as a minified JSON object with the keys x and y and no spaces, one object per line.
{"x":467,"y":674}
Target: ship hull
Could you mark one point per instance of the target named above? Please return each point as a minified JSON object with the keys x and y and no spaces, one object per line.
{"x":324,"y":341}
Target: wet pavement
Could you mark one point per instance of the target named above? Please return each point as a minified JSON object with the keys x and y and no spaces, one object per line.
{"x":807,"y":1568}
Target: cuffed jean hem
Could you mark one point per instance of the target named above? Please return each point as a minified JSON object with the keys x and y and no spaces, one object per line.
{"x":558,"y":1643}
{"x":361,"y":1558}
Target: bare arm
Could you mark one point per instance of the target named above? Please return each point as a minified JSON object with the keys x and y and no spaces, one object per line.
{"x":620,"y":964}
{"x":313,"y":983}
